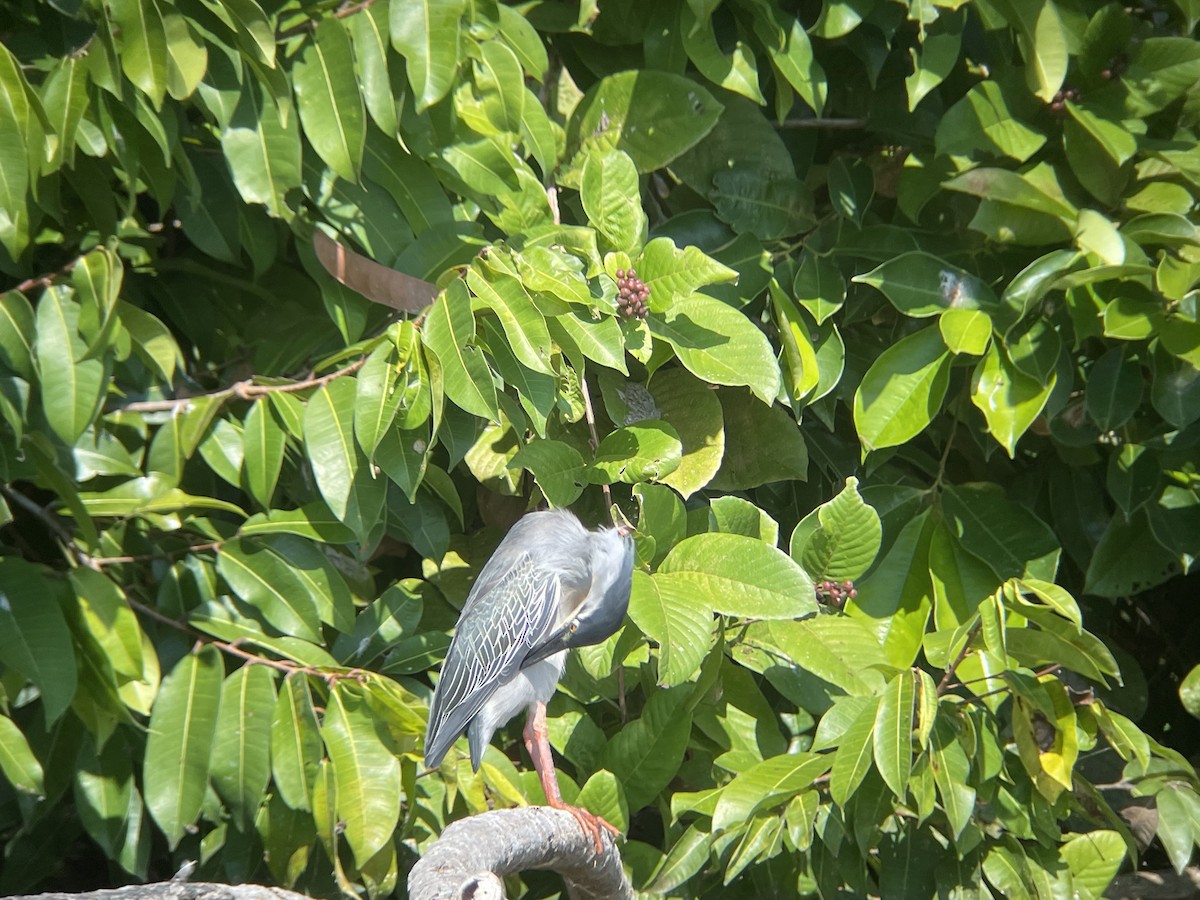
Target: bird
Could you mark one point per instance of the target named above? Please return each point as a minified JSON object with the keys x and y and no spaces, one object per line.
{"x":551,"y":585}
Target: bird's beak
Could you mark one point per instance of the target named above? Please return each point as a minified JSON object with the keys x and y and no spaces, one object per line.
{"x":624,"y":529}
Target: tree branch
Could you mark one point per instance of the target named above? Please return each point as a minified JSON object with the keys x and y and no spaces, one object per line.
{"x":948,"y":678}
{"x":473,"y":854}
{"x":177,"y":890}
{"x":243,"y":390}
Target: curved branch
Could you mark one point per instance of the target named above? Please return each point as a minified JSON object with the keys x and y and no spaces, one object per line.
{"x":177,"y":890}
{"x":473,"y":854}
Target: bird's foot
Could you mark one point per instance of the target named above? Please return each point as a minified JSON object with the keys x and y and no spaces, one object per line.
{"x":592,"y":824}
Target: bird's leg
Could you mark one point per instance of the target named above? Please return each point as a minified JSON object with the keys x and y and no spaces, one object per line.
{"x":543,"y":763}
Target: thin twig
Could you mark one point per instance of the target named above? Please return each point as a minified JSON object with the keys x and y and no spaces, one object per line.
{"x":162,"y":554}
{"x":43,"y":281}
{"x":311,"y":24}
{"x":1048,"y":670}
{"x":829,"y":124}
{"x":243,"y":390}
{"x":590,"y":416}
{"x":285,"y":666}
{"x":57,"y":528}
{"x":948,"y":677}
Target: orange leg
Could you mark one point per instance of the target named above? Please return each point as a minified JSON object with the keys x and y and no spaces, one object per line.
{"x":543,"y":763}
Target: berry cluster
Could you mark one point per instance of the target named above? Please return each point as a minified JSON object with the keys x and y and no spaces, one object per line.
{"x":1059,"y":103}
{"x":632,"y":294}
{"x":833,"y":594}
{"x":1116,"y":67}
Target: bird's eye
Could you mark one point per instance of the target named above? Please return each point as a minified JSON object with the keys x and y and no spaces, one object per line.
{"x":573,"y":627}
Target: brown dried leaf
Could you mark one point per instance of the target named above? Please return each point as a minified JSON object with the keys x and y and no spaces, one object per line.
{"x":376,"y":282}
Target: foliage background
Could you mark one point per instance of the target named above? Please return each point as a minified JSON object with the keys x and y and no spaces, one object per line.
{"x":922,"y":319}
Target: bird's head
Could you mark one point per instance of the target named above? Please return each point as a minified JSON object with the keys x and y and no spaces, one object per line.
{"x":611,"y":561}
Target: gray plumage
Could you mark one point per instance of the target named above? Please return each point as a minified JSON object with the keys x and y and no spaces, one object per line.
{"x":551,"y":585}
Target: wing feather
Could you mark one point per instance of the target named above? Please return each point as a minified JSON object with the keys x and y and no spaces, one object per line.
{"x":509,"y":612}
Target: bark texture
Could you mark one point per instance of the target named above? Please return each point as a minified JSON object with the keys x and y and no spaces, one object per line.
{"x":177,"y":890}
{"x":472,"y":856}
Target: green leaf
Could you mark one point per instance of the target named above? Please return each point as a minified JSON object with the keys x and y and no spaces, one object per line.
{"x":241,"y":752}
{"x":187,"y":57}
{"x":151,"y":339}
{"x":921,"y":285}
{"x":645,"y":754}
{"x":313,"y":521}
{"x":681,"y":627}
{"x":694,"y":411}
{"x":366,"y":772}
{"x":580,"y":336}
{"x":263,"y":444}
{"x":902,"y":391}
{"x":17,"y":762}
{"x":719,"y":344}
{"x":268,"y":584}
{"x":346,"y":484}
{"x":1175,"y":828}
{"x":842,"y":538}
{"x":673,"y":274}
{"x":426,"y":34}
{"x":1114,"y":389}
{"x":819,"y":287}
{"x":1007,"y":537}
{"x":72,"y":388}
{"x":329,"y":100}
{"x":897,"y":597}
{"x":604,"y":796}
{"x":559,"y":469}
{"x":34,"y":639}
{"x":687,"y":857}
{"x":855,"y":754}
{"x":840,"y":650}
{"x":1133,"y":476}
{"x":377,"y":397}
{"x":450,"y":334}
{"x":653,"y":116}
{"x":144,"y":46}
{"x":183,"y":725}
{"x":612,"y":200}
{"x":951,"y":773}
{"x":735,"y":71}
{"x":17,"y":334}
{"x":934,"y":59}
{"x":295,"y":742}
{"x":765,"y":785}
{"x":1009,"y":399}
{"x":1128,"y":559}
{"x":733,"y":515}
{"x":892,"y":737}
{"x":65,"y":97}
{"x":762,"y":444}
{"x":499,"y":77}
{"x":523,"y":325}
{"x":965,"y":331}
{"x":1044,"y":44}
{"x":645,"y":451}
{"x":371,"y":45}
{"x":739,"y":576}
{"x":262,"y":148}
{"x":106,"y":613}
{"x":1093,"y":859}
{"x":1189,"y":692}
{"x":983,"y":121}
{"x":768,"y":205}
{"x":485,"y":166}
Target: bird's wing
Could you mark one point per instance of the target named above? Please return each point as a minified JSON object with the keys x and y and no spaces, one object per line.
{"x":511,"y":615}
